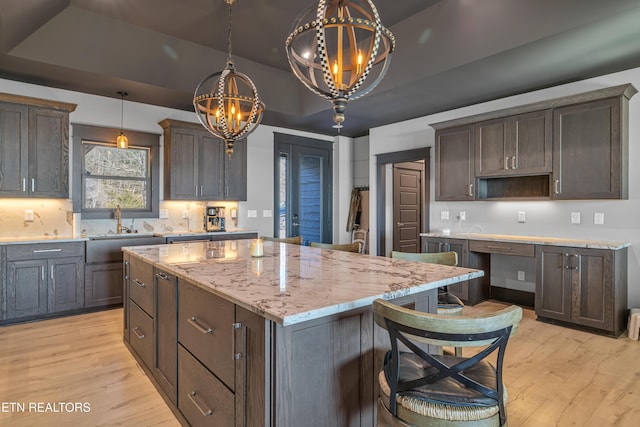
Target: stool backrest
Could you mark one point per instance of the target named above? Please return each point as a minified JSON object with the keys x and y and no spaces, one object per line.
{"x":444,"y":258}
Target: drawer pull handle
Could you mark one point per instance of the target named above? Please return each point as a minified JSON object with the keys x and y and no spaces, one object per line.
{"x":140,"y":335}
{"x":194,"y":322}
{"x":192,"y":397}
{"x":139,"y":283}
{"x":162,"y":276}
{"x":40,"y":251}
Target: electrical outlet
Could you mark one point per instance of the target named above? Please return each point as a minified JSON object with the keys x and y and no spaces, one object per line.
{"x":267,"y":213}
{"x":234,"y":213}
{"x":28,"y":215}
{"x":185,"y":214}
{"x":598,"y":218}
{"x":521,"y":275}
{"x":522,"y":216}
{"x":444,"y":215}
{"x":462,"y":216}
{"x":164,"y":214}
{"x":575,"y":217}
{"x":252,"y":213}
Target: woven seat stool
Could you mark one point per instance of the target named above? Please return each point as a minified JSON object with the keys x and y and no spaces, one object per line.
{"x":634,"y":323}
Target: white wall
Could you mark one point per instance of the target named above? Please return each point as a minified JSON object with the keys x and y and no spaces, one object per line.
{"x":548,"y":218}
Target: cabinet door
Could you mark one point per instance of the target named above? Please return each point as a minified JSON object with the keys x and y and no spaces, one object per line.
{"x":26,"y":288}
{"x":48,"y":153}
{"x":165,"y":362}
{"x":183,"y":165}
{"x":461,"y":289}
{"x":492,"y":156}
{"x":210,"y":167}
{"x":593,"y":288}
{"x":554,"y":283}
{"x":531,"y":148}
{"x":587,"y":157}
{"x":103,"y":284}
{"x":236,"y":172}
{"x":455,"y":164}
{"x":66,"y":283}
{"x":14,"y":144}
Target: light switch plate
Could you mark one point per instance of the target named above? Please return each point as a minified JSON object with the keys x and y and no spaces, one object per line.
{"x":251,"y":213}
{"x":521,"y":275}
{"x":598,"y":218}
{"x":575,"y":217}
{"x":444,"y":214}
{"x":462,"y":216}
{"x":28,"y":215}
{"x":266,"y":213}
{"x":522,"y":216}
{"x":164,"y":213}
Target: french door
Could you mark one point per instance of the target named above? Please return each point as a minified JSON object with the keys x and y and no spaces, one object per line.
{"x":303,"y":188}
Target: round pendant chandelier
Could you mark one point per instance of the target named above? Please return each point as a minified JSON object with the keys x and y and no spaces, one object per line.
{"x":340,"y":51}
{"x":227,"y":102}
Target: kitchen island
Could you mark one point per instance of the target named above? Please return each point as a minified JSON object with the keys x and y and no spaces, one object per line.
{"x":285,"y":339}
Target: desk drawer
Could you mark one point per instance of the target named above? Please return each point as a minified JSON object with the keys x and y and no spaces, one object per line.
{"x":141,"y":335}
{"x":202,"y":398}
{"x":504,"y":248}
{"x":205,"y":324}
{"x":141,"y":284}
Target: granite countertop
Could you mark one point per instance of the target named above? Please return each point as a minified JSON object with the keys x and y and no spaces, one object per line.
{"x":102,"y":236}
{"x":292,"y":284}
{"x":534,"y":240}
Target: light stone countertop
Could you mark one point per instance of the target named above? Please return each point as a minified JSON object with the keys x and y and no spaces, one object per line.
{"x":40,"y":239}
{"x":534,"y":240}
{"x":182,"y":233}
{"x":292,"y":284}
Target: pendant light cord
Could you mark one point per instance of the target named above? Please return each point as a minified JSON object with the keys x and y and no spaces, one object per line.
{"x":229,"y":34}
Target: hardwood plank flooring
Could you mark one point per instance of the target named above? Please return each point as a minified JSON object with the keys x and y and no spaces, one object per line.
{"x":75,"y":359}
{"x":555,"y":376}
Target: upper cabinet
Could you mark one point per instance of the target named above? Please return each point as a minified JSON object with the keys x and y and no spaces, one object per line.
{"x":455,"y":164}
{"x":196,"y":166}
{"x":34,"y":147}
{"x":514,"y":145}
{"x":590,"y":151}
{"x":570,"y":148}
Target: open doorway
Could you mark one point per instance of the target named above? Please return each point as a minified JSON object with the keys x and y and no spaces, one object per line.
{"x":386,"y":218}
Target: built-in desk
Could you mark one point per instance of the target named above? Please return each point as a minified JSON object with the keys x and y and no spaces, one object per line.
{"x":578,"y":282}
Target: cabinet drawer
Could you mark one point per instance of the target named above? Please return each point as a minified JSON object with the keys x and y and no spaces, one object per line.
{"x":141,"y":284}
{"x":504,"y":248}
{"x":202,"y":399}
{"x":141,"y":334}
{"x":205,"y":324}
{"x":29,"y":251}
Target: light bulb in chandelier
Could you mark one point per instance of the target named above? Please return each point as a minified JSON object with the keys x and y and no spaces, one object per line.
{"x":340,"y":51}
{"x":122,"y":141}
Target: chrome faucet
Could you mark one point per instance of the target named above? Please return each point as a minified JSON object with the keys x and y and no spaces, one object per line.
{"x":119,"y":220}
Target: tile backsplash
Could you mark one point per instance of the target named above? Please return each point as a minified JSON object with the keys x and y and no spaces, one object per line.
{"x":55,"y":217}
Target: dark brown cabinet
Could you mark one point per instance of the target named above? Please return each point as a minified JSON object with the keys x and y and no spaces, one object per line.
{"x":165,"y":361}
{"x":515,"y":145}
{"x":44,"y":278}
{"x":196,"y":166}
{"x":471,"y":291}
{"x":591,"y":151}
{"x":584,"y":287}
{"x":455,"y":164}
{"x":35,"y":136}
{"x":103,"y":269}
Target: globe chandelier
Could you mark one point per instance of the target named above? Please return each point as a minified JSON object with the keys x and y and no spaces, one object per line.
{"x":227,"y":102}
{"x":340,"y":51}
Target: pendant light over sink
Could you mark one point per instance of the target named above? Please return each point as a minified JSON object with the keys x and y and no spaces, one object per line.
{"x":122,"y":141}
{"x":340,"y":51}
{"x":227,"y":102}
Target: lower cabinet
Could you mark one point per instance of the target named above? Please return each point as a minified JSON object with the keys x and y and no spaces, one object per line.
{"x":220,"y":352}
{"x":102,"y":284}
{"x":583,"y":287}
{"x":44,"y":278}
{"x":471,"y":291}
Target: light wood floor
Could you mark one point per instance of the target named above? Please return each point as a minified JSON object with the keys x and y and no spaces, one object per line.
{"x":555,"y":376}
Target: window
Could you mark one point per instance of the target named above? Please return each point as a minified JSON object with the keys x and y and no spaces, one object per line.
{"x":112,"y":177}
{"x":105,"y":176}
